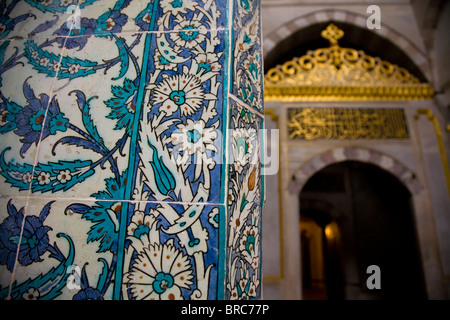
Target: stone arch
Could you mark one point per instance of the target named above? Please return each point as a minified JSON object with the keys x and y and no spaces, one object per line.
{"x":272,"y":39}
{"x":386,"y":162}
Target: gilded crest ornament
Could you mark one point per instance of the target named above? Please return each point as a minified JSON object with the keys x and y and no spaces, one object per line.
{"x":332,"y":34}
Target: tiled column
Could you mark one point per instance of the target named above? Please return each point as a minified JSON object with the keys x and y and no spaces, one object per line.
{"x":130,"y":149}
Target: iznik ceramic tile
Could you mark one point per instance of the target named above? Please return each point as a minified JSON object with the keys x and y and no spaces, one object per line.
{"x":11,"y":215}
{"x":112,"y":158}
{"x":59,"y":260}
{"x":247,"y":56}
{"x":24,"y":101}
{"x":245,"y":200}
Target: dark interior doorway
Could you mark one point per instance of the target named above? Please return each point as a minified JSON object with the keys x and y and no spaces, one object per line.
{"x":365,"y":217}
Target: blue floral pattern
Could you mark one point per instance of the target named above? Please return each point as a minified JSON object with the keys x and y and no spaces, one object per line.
{"x":117,"y":138}
{"x":244,"y":205}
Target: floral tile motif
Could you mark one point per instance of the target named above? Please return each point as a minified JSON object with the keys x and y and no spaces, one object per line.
{"x":183,"y":252}
{"x":23,"y":102}
{"x":245,"y":199}
{"x":247,"y":58}
{"x":28,"y":18}
{"x":52,"y":247}
{"x":191,"y":16}
{"x":113,"y":128}
{"x":60,"y":18}
{"x":189,"y":101}
{"x":91,"y":143}
{"x":89,"y":128}
{"x":170,"y":255}
{"x":11,"y":214}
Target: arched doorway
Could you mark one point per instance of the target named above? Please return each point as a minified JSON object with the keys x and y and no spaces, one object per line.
{"x":365,"y":217}
{"x":309,"y":102}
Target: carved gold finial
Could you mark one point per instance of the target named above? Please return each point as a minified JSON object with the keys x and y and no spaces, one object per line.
{"x":332,"y":34}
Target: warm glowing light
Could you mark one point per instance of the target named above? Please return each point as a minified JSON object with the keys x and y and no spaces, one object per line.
{"x":329,"y":232}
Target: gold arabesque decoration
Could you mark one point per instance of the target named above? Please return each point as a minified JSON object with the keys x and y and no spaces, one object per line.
{"x":336,"y":74}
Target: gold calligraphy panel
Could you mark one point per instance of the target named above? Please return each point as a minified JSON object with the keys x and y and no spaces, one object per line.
{"x":347,"y":123}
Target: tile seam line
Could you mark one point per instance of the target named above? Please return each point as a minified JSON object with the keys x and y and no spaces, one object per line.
{"x":72,"y":200}
{"x":51,"y":36}
{"x":222,"y":260}
{"x":236,"y":99}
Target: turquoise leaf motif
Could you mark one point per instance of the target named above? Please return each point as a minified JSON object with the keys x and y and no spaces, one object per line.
{"x":246,"y":5}
{"x":123,"y":105}
{"x":144,"y":17}
{"x":105,"y":214}
{"x":247,"y":39}
{"x":8,"y":110}
{"x":123,"y":56}
{"x":56,"y":6}
{"x":17,"y":175}
{"x":244,"y":202}
{"x":89,"y":123}
{"x":52,"y":65}
{"x":49,"y":285}
{"x":105,"y":225}
{"x":61,"y":175}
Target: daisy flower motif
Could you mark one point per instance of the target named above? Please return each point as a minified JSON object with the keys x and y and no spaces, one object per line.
{"x":65,"y":3}
{"x":26,"y":177}
{"x":160,"y":272}
{"x":56,"y":66}
{"x":177,"y":6}
{"x":34,"y":54}
{"x":188,"y":33}
{"x":46,"y":2}
{"x":193,"y":137}
{"x":182,"y":91}
{"x":43,"y":178}
{"x":31,"y":294}
{"x":74,"y":68}
{"x":64,"y":176}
